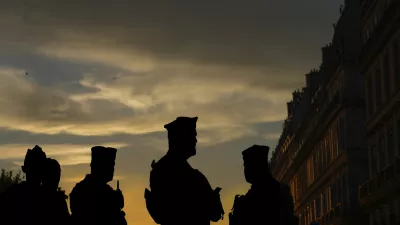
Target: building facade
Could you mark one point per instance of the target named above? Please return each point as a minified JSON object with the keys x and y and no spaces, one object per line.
{"x":379,"y":62}
{"x":321,"y":153}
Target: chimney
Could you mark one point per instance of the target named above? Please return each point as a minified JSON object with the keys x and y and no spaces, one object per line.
{"x":326,"y":53}
{"x":289,"y":107}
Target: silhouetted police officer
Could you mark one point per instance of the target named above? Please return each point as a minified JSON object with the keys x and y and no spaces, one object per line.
{"x":267,"y":201}
{"x":55,"y":200}
{"x":22,"y":203}
{"x":93,"y":201}
{"x":180,"y":194}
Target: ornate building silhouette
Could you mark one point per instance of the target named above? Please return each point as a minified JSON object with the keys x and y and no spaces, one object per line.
{"x":380,"y":64}
{"x":321,"y":152}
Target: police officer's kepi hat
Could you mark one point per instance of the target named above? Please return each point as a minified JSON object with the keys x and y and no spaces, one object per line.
{"x":34,"y":154}
{"x":256,"y":153}
{"x":181,"y":124}
{"x":103,"y":154}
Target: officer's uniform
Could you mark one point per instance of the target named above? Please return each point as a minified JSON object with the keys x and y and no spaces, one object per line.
{"x":265,"y":202}
{"x":23,"y":203}
{"x":180,"y":194}
{"x":93,"y":202}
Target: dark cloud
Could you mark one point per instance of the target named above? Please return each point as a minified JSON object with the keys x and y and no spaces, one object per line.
{"x":22,"y":137}
{"x":240,"y":57}
{"x":256,"y":32}
{"x":8,"y":165}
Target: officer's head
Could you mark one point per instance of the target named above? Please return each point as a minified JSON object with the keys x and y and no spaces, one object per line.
{"x":52,"y":174}
{"x":103,"y":162}
{"x":255,"y":160}
{"x":182,"y":136}
{"x":34,"y":164}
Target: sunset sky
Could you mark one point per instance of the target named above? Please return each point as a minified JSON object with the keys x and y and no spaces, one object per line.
{"x":114,"y":72}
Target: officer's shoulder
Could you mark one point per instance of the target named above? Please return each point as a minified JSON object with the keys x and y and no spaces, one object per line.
{"x":200,"y":176}
{"x":198,"y":172}
{"x":160,"y":166}
{"x":80,"y":186}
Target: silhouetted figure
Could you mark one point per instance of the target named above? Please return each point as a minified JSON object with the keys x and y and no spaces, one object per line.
{"x":180,"y":194}
{"x":93,"y":201}
{"x":268,"y":201}
{"x":21,"y":203}
{"x":55,"y":201}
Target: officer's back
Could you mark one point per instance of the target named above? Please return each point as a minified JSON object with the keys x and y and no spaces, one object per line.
{"x":267,"y":201}
{"x":180,"y":194}
{"x":183,"y":189}
{"x":22,"y":203}
{"x":93,"y":201}
{"x":55,"y":201}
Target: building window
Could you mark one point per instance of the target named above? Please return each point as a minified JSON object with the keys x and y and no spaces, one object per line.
{"x":312,"y":169}
{"x":326,"y":153}
{"x":378,"y":88}
{"x":345,"y":187}
{"x":293,"y":190}
{"x":322,"y":203}
{"x":318,"y":206}
{"x":370,"y":96}
{"x":316,"y":161}
{"x":339,"y":190}
{"x":329,"y":195}
{"x":387,"y":76}
{"x":327,"y":149}
{"x":309,"y":172}
{"x":332,"y":142}
{"x":337,"y":138}
{"x":322,"y":154}
{"x":341,"y":134}
{"x":398,"y":138}
{"x":373,"y":160}
{"x":382,"y":153}
{"x":334,"y":194}
{"x":396,"y":64}
{"x":314,"y":204}
{"x":390,"y":146}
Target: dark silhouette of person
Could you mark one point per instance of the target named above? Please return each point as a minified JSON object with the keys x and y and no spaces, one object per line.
{"x":55,"y":200}
{"x":180,"y":194}
{"x":267,"y":201}
{"x":21,"y":203}
{"x":93,"y":201}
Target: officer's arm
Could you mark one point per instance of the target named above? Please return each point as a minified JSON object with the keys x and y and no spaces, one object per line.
{"x":81,"y":211}
{"x":213,"y":199}
{"x":159,"y":198}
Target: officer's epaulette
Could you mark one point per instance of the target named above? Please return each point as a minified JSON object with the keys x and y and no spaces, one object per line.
{"x":153,"y":164}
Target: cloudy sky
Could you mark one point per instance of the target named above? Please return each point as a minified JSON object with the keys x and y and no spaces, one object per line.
{"x":114,"y":72}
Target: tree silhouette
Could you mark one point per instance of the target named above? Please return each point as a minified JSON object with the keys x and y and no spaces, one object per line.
{"x":7,"y":178}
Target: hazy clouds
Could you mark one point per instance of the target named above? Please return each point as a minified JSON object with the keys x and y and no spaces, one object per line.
{"x":114,"y":72}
